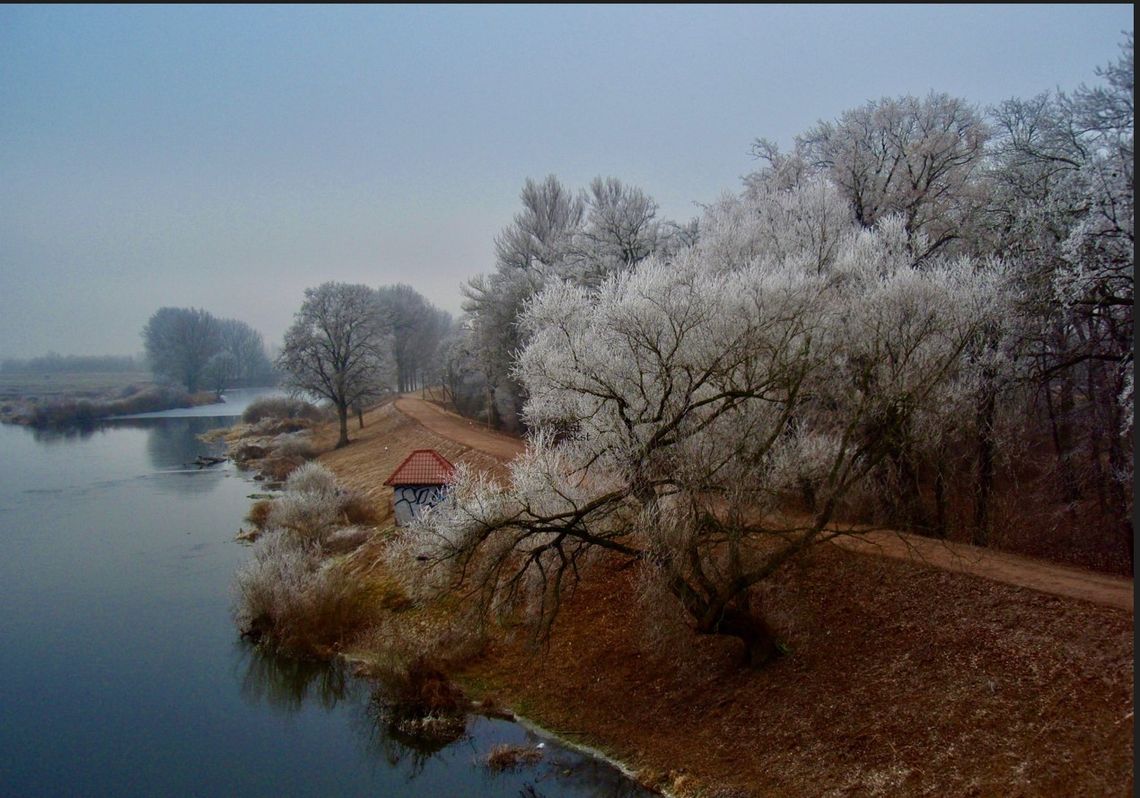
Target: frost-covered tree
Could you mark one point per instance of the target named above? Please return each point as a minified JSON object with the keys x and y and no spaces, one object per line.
{"x":416,"y":328}
{"x":908,"y":156}
{"x":251,"y":365}
{"x":620,"y":231}
{"x":708,"y":416}
{"x":1062,"y":210}
{"x":581,"y":238}
{"x":179,"y":342}
{"x":336,"y":349}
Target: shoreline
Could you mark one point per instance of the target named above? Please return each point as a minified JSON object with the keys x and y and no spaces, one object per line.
{"x":361,"y":666}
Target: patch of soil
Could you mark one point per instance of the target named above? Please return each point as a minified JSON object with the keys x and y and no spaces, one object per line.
{"x":902,"y":680}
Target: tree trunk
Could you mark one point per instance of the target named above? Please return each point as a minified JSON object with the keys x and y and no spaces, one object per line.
{"x":342,"y":415}
{"x":909,"y":511}
{"x":760,"y":646}
{"x":940,"y":530}
{"x":1060,"y":423}
{"x":985,"y":485}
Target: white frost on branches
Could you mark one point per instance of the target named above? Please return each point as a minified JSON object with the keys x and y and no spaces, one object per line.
{"x":774,"y":362}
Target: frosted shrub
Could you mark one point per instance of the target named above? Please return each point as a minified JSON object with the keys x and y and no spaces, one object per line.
{"x":288,"y":598}
{"x":271,"y":581}
{"x":311,"y":507}
{"x":312,"y":478}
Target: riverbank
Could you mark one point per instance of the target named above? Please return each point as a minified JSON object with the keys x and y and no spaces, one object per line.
{"x":64,"y":399}
{"x":901,"y":678}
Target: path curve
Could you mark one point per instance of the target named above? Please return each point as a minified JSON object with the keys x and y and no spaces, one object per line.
{"x":997,"y":566}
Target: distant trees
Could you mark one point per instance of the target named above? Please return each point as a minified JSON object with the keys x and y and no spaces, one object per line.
{"x":184,"y":345}
{"x":179,"y":342}
{"x":337,"y":348}
{"x":54,"y":363}
{"x":246,"y":349}
{"x":416,"y":328}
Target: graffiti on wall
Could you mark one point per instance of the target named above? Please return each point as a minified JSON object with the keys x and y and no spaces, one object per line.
{"x":411,"y":500}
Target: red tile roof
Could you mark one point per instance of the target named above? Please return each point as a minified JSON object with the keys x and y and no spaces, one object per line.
{"x":422,"y":467}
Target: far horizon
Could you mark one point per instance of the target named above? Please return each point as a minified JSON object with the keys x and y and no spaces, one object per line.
{"x":228,"y":158}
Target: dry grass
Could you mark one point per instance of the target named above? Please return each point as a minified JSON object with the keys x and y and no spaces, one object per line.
{"x":289,"y":600}
{"x":901,"y":681}
{"x":258,"y":514}
{"x":511,"y":757}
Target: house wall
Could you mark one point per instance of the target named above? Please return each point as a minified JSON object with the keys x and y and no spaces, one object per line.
{"x":409,"y":501}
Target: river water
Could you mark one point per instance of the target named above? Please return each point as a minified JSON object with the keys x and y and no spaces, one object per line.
{"x":121,"y":672}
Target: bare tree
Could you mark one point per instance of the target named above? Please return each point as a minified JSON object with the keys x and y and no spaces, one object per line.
{"x":416,"y":328}
{"x":336,"y":349}
{"x":1062,"y":208}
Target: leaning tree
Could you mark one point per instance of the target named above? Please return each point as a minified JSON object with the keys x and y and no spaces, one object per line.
{"x":708,"y":416}
{"x":336,"y":349}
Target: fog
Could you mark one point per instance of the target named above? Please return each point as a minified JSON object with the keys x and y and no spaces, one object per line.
{"x":229,"y":158}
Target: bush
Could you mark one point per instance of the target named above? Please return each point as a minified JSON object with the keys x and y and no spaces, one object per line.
{"x":308,"y":518}
{"x":295,"y":446}
{"x":281,"y":407}
{"x":278,"y":469}
{"x":420,"y":703}
{"x":313,"y":479}
{"x":360,"y":511}
{"x":259,"y":513}
{"x":289,"y":599}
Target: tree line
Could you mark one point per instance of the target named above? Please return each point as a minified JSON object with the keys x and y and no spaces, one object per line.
{"x":1043,"y":185}
{"x":920,"y":316}
{"x":55,"y":363}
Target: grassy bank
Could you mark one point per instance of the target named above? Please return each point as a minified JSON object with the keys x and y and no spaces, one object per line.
{"x":901,"y":679}
{"x":62,"y":399}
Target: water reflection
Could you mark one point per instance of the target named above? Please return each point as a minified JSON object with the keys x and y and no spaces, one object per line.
{"x":170,"y":442}
{"x":410,"y":753}
{"x":285,"y":684}
{"x":51,"y":436}
{"x":174,"y":443}
{"x":461,"y":746}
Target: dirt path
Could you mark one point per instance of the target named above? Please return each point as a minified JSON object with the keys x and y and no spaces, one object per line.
{"x":461,"y":430}
{"x":996,"y":566}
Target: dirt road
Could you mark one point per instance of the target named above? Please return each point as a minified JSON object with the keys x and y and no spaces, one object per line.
{"x":997,"y":566}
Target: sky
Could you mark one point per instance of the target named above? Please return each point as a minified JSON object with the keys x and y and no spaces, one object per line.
{"x":229,"y":157}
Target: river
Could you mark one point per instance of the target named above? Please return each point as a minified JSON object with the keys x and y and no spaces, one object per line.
{"x":121,"y":672}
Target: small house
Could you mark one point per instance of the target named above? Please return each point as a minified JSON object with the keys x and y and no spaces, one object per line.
{"x":418,"y":483}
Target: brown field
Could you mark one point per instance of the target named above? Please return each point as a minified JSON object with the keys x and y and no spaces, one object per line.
{"x":903,"y":678}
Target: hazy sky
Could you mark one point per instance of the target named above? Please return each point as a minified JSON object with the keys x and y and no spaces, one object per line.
{"x":228,"y":157}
